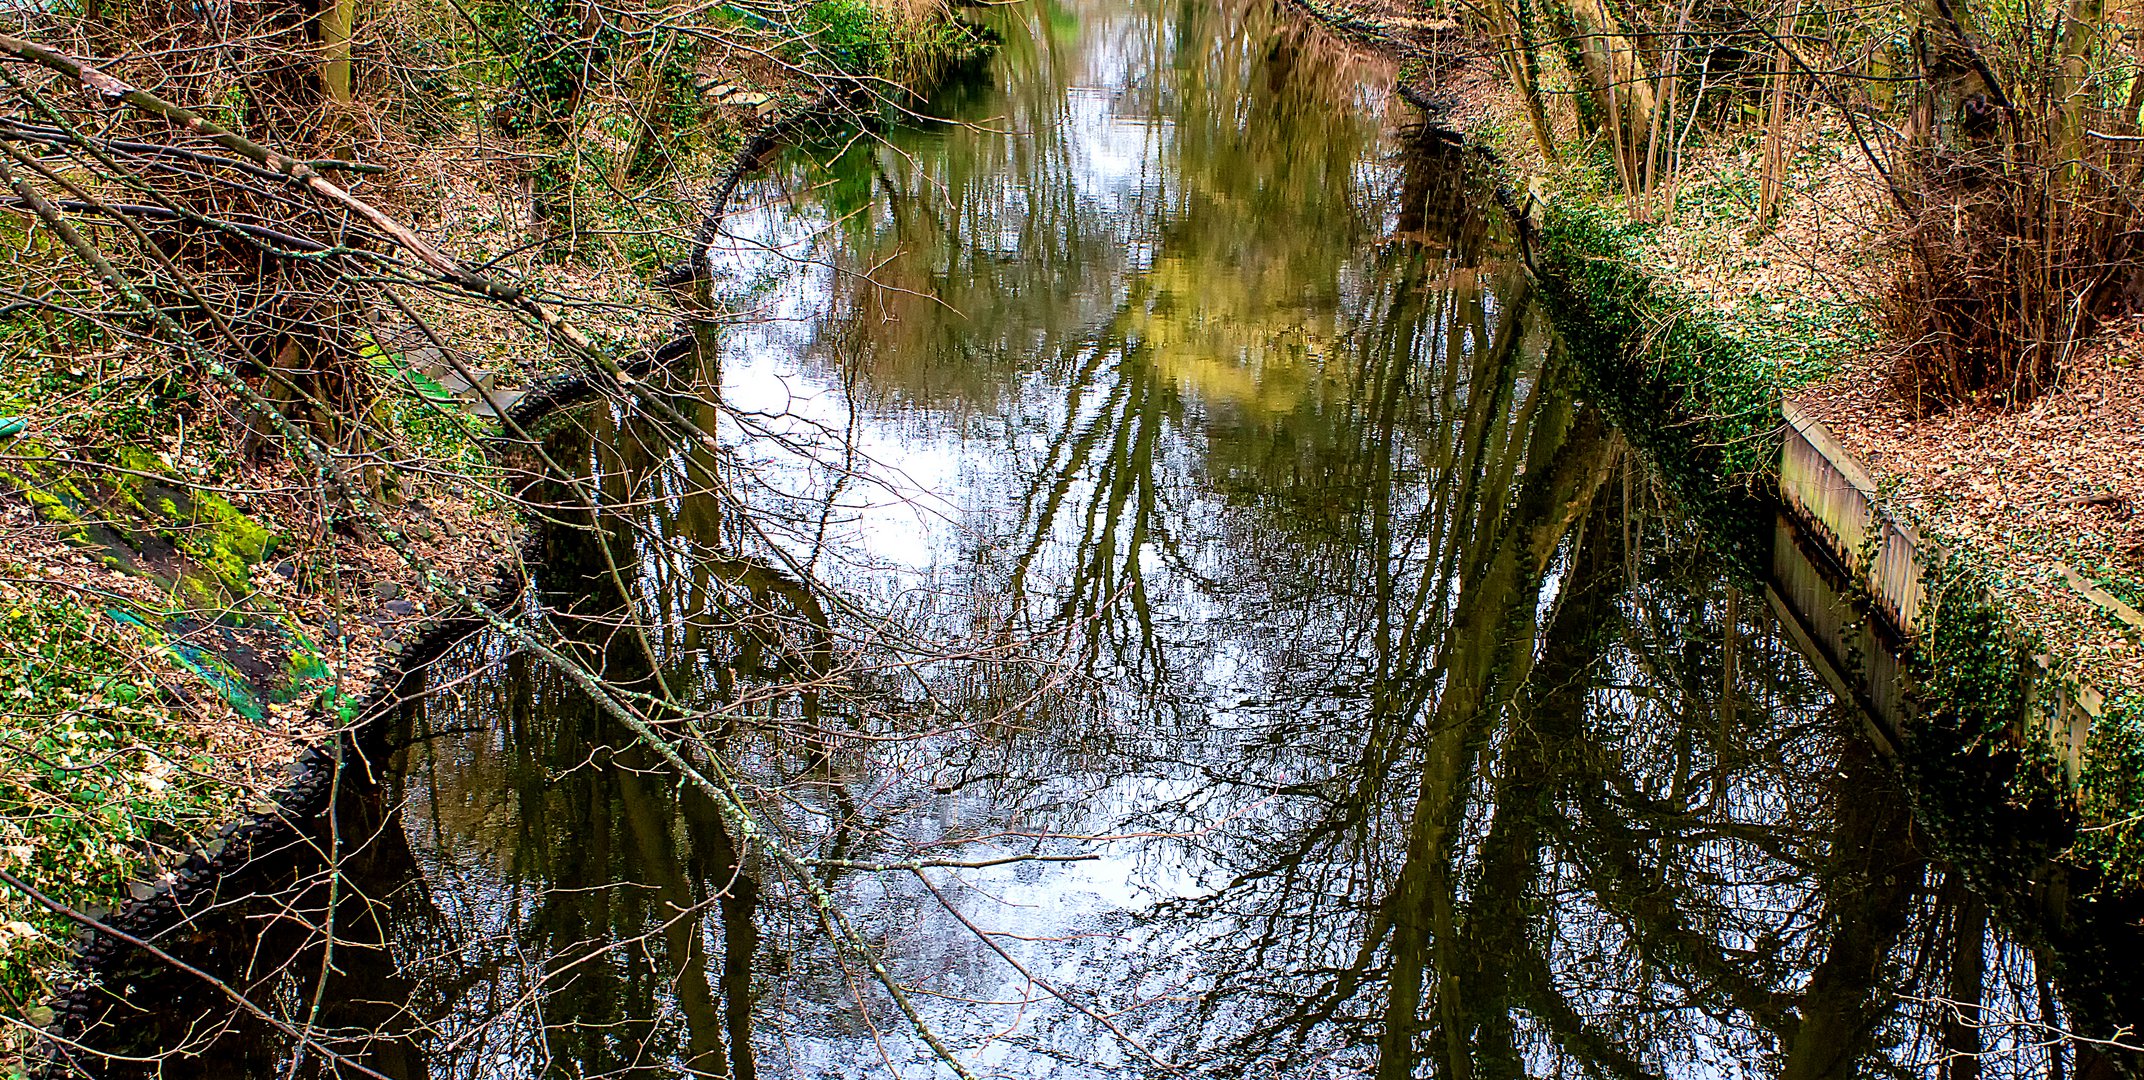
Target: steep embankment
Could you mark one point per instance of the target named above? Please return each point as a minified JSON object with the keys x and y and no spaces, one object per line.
{"x":188,"y":616}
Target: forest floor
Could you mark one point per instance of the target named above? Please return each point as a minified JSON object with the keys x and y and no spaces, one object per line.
{"x":2048,"y":497}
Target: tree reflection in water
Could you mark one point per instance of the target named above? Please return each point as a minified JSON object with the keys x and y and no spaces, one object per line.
{"x":1172,"y":467}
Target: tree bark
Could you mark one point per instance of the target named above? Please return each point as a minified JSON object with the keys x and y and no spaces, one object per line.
{"x":336,"y":21}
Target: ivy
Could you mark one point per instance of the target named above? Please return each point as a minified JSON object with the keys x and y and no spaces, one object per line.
{"x":1701,"y":402}
{"x":1992,"y":794}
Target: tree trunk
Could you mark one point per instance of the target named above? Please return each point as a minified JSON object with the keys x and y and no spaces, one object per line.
{"x":1520,"y":63}
{"x":1616,"y":74}
{"x":335,"y":22}
{"x":1968,"y":975}
{"x":1772,"y":184}
{"x":2073,"y":84}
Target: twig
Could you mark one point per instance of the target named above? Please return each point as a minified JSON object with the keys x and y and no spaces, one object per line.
{"x":241,"y":1000}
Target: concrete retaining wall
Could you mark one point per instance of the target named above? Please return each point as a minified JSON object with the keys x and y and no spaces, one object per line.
{"x":1834,"y":506}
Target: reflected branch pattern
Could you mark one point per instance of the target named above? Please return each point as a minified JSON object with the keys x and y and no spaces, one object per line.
{"x":1152,"y":561}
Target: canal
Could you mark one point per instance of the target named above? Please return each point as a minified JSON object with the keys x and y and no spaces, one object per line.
{"x":1163,"y":577}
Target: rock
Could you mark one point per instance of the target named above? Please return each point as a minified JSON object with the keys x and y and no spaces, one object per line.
{"x":386,"y":590}
{"x":399,"y":607}
{"x":504,"y":399}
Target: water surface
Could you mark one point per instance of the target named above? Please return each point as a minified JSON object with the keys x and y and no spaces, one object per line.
{"x":1156,"y":478}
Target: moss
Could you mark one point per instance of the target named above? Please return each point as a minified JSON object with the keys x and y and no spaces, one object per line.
{"x":234,"y":543}
{"x":117,"y":512}
{"x":221,"y":542}
{"x":55,"y":509}
{"x":54,"y":496}
{"x":219,"y":546}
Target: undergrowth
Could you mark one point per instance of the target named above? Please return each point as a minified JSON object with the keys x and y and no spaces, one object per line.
{"x":907,"y":44}
{"x":101,"y":772}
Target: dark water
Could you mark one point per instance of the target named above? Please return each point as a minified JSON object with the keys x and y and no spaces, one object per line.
{"x":1191,"y":495}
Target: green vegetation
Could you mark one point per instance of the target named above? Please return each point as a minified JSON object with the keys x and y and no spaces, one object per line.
{"x":1685,"y":386}
{"x":102,"y":773}
{"x":2114,"y":793}
{"x":1997,"y":803}
{"x":848,"y":32}
{"x":907,"y":46}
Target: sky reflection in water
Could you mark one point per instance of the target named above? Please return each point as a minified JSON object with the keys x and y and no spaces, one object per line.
{"x":1203,"y":405}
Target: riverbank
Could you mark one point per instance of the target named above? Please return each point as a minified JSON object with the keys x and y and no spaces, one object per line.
{"x":181,"y":619}
{"x":185,"y":611}
{"x":1711,"y":325}
{"x":2000,"y":543}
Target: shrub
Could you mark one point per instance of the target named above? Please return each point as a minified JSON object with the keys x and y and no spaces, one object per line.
{"x":2018,"y":191}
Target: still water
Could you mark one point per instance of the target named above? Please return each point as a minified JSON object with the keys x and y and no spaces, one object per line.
{"x":1150,"y":477}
